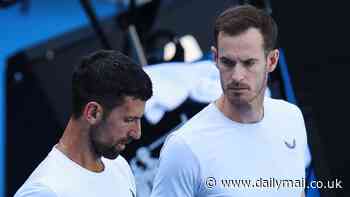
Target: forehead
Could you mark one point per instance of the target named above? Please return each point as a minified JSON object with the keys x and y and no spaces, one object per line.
{"x":244,"y":45}
{"x":130,"y":107}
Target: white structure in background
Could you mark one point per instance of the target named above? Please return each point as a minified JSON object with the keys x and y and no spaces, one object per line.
{"x":173,"y":83}
{"x":192,"y":50}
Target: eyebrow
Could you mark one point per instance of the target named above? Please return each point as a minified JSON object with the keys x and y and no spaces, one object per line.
{"x":133,"y":117}
{"x":234,"y":60}
{"x":227,"y":59}
{"x":250,"y":59}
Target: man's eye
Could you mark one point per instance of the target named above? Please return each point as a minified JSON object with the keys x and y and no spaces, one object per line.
{"x":249,"y":63}
{"x":228,"y":63}
{"x":128,"y":120}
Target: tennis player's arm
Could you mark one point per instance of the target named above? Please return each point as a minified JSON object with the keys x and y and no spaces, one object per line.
{"x":178,"y":172}
{"x":35,"y":190}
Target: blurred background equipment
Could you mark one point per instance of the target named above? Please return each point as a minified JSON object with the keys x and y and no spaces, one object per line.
{"x":262,"y":4}
{"x":24,"y":4}
{"x":6,"y":3}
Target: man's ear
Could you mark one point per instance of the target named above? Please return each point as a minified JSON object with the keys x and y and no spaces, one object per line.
{"x":272,"y":60}
{"x":93,"y":112}
{"x":215,"y":54}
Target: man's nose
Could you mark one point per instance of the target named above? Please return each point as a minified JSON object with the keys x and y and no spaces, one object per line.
{"x":238,"y":73}
{"x":135,"y":132}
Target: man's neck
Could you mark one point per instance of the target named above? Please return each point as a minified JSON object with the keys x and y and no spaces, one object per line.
{"x":243,"y":113}
{"x":75,"y":145}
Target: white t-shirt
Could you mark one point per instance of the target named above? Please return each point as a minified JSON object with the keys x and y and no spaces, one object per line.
{"x":58,"y":176}
{"x":212,"y":155}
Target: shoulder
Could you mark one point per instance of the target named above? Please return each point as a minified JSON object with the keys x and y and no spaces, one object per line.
{"x":192,"y":139}
{"x":179,"y":171}
{"x":44,"y":178}
{"x":121,"y":162}
{"x":177,"y":148}
{"x":176,"y":144}
{"x":179,"y":156}
{"x":282,"y":106}
{"x":122,"y":167}
{"x":48,"y":170}
{"x":198,"y":124}
{"x":280,"y":103}
{"x":35,"y":189}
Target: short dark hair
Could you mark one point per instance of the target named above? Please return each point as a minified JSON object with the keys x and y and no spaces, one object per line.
{"x":106,"y":77}
{"x":239,"y":19}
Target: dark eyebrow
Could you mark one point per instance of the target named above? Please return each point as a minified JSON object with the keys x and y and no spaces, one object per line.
{"x":227,"y":60}
{"x":133,"y":117}
{"x":250,"y":59}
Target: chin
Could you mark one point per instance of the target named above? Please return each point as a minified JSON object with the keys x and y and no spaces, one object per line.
{"x":238,"y":100}
{"x":111,"y":153}
{"x":111,"y":156}
{"x":242,"y":99}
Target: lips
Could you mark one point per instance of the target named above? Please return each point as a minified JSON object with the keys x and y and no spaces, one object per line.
{"x":238,"y":89}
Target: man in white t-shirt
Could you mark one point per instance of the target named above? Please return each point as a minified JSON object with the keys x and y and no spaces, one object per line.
{"x":243,"y":144}
{"x":109,"y":95}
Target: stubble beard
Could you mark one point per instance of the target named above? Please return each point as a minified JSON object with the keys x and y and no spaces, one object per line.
{"x":101,"y":149}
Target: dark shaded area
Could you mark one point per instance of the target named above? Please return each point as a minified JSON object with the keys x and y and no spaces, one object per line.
{"x":314,"y":35}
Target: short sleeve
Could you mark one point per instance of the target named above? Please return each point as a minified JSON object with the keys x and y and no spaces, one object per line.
{"x":179,"y":170}
{"x":35,"y":190}
{"x":307,"y":154}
